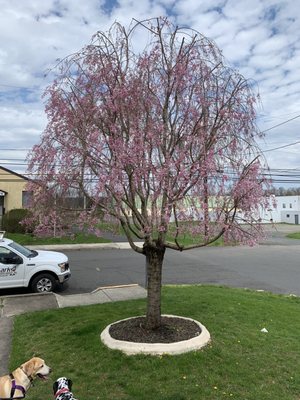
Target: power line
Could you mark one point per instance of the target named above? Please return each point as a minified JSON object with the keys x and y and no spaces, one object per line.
{"x":12,"y":163}
{"x":282,"y":123}
{"x":20,"y":87}
{"x":281,"y":147}
{"x":15,"y":149}
{"x":278,"y":116}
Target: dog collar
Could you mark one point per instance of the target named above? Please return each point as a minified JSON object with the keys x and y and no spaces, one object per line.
{"x":29,"y":377}
{"x":60,"y":391}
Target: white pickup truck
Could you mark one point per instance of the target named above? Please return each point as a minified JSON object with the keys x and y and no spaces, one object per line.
{"x":39,"y":270}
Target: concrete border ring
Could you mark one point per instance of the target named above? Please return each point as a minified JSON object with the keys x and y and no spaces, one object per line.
{"x":132,"y":348}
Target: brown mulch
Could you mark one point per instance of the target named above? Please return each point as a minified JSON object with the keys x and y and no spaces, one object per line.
{"x":172,"y":329}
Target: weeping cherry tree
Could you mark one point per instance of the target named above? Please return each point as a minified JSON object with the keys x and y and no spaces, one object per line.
{"x":152,"y":127}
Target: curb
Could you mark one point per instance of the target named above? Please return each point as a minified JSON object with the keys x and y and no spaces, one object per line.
{"x":99,"y":246}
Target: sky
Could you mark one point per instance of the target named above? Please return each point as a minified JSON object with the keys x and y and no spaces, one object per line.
{"x":260,"y":38}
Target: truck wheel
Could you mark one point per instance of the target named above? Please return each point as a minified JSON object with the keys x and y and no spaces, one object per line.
{"x":43,"y":283}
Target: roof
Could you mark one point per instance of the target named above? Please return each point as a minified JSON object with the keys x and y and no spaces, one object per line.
{"x":14,"y":173}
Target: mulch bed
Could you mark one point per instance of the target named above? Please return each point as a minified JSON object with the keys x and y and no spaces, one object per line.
{"x":172,"y":329}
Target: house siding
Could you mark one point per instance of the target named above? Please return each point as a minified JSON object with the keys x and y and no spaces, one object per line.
{"x":12,"y":186}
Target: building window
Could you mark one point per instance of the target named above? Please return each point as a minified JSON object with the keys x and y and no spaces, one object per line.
{"x":283,"y":205}
{"x":26,"y":198}
{"x":288,"y":215}
{"x":291,"y":205}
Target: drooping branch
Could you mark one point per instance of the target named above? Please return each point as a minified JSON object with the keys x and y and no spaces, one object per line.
{"x":161,"y":139}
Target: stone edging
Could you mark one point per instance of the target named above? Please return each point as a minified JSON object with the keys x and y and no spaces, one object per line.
{"x":131,"y":348}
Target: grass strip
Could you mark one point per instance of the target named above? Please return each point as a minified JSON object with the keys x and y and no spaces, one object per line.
{"x":78,"y":238}
{"x":295,"y":235}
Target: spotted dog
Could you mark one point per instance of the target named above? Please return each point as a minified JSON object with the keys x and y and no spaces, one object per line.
{"x":62,"y":389}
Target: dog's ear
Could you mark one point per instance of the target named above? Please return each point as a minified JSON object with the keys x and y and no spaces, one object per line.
{"x":28,"y":367}
{"x":32,"y":366}
{"x":55,"y":387}
{"x":70,"y":383}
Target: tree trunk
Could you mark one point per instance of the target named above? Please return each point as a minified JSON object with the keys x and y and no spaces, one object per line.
{"x":154,"y":262}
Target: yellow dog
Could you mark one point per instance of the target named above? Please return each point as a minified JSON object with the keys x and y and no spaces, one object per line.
{"x":16,"y":384}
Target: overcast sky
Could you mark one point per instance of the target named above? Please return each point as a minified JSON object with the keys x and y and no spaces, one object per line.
{"x":259,"y":37}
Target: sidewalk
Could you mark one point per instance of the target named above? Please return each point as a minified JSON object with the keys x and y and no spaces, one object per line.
{"x":109,"y":246}
{"x":19,"y":304}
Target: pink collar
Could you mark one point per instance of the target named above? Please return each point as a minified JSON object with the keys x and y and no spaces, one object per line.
{"x":63,"y":390}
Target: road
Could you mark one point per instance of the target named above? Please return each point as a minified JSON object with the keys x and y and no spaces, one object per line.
{"x":273,"y":266}
{"x":269,"y":267}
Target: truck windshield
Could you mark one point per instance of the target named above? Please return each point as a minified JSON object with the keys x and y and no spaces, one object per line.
{"x":23,"y":250}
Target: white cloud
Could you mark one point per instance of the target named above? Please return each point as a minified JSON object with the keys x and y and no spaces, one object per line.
{"x":259,"y":37}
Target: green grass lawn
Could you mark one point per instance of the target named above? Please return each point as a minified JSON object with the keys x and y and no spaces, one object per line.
{"x":79,"y":238}
{"x":240,"y":363}
{"x":295,"y":235}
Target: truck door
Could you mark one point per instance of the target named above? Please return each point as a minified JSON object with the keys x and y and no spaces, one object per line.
{"x":12,"y":269}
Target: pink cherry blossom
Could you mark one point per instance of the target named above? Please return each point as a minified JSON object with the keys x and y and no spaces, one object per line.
{"x":160,"y":139}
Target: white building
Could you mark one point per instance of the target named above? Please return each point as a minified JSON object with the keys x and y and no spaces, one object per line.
{"x":287,"y":210}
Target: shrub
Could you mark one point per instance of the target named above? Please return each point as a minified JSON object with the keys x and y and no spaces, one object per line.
{"x":11,"y":221}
